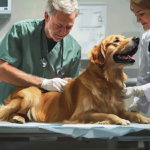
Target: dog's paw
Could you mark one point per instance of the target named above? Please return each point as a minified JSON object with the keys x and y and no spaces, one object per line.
{"x":123,"y":122}
{"x":147,"y":120}
{"x":117,"y":120}
{"x":19,"y":119}
{"x":103,"y":122}
{"x":143,"y":120}
{"x":138,"y":118}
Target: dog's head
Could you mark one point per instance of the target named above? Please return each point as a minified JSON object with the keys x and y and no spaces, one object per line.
{"x":115,"y":49}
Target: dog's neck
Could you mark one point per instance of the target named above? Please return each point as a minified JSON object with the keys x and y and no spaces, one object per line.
{"x":115,"y":76}
{"x":111,"y":74}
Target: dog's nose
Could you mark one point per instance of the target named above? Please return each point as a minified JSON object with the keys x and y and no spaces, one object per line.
{"x":136,"y":39}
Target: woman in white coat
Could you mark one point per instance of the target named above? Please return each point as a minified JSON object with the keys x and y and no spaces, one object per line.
{"x":141,"y":92}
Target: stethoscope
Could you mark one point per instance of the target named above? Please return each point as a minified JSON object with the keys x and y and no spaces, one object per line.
{"x":60,"y":71}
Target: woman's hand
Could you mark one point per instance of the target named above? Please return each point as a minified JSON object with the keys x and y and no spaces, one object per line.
{"x":130,"y":92}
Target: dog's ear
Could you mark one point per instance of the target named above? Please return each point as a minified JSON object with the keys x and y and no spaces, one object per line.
{"x":97,"y":55}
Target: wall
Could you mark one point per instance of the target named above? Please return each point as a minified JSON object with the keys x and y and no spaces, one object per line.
{"x":22,"y":9}
{"x":120,"y":20}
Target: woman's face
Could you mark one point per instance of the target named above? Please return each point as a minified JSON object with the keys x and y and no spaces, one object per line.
{"x":142,"y":15}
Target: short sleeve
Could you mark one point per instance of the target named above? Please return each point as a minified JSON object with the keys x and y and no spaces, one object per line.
{"x":10,"y":46}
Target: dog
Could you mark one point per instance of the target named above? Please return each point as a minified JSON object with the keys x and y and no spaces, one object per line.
{"x":92,"y":97}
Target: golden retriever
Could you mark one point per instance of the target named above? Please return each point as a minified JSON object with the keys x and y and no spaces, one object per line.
{"x":94,"y":96}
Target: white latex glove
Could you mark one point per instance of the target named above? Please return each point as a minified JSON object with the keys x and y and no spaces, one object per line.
{"x":130,"y":92}
{"x":134,"y":108}
{"x":55,"y":84}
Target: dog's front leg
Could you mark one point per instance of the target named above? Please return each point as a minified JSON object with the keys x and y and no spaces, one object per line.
{"x":102,"y":118}
{"x":135,"y":117}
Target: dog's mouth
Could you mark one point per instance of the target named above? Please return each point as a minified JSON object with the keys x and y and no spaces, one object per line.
{"x":127,"y":57}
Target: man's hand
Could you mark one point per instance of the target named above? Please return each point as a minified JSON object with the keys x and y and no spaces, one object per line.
{"x":134,"y":108}
{"x":55,"y":84}
{"x":130,"y":92}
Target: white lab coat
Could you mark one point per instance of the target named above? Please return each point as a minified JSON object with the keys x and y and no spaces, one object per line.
{"x":144,"y":73}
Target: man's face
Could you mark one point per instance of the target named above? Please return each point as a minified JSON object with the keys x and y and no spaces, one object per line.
{"x":59,"y":25}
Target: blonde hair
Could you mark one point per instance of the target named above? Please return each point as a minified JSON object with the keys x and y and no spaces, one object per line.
{"x":140,"y":3}
{"x":66,"y":6}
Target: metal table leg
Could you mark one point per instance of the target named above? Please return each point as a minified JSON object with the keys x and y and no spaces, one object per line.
{"x":112,"y":144}
{"x":1,"y":146}
{"x":146,"y":145}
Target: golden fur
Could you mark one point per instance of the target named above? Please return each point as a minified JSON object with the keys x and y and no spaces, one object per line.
{"x":94,"y":96}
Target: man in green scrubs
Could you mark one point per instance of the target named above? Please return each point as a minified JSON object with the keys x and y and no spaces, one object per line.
{"x":20,"y":50}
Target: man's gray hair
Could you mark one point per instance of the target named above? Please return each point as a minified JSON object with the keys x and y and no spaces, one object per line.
{"x":66,"y":6}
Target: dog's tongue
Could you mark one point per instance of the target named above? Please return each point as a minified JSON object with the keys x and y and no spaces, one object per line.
{"x":126,"y":57}
{"x":132,"y":57}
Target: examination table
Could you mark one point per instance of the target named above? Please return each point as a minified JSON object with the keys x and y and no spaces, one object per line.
{"x":106,"y":137}
{"x":52,"y":131}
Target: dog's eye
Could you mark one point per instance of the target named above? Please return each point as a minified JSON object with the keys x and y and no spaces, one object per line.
{"x":117,"y":41}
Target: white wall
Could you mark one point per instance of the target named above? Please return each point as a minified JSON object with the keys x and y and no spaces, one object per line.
{"x":21,"y":10}
{"x":120,"y":20}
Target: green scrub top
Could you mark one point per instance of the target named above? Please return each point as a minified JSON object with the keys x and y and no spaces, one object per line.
{"x":21,"y":48}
